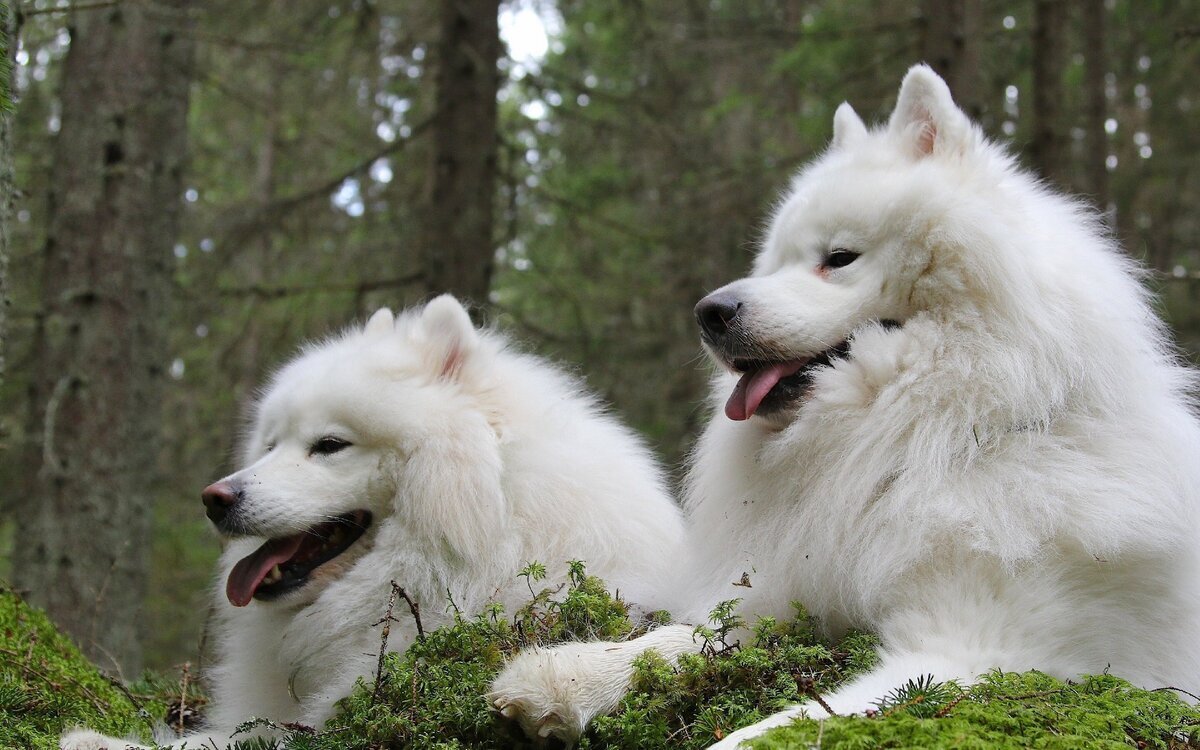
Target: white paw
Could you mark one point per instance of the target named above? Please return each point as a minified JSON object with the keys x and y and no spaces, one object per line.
{"x":85,"y":739}
{"x":537,"y":691}
{"x":555,"y":692}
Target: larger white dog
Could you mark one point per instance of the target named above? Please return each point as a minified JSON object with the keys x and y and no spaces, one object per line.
{"x":950,"y":416}
{"x":422,"y":450}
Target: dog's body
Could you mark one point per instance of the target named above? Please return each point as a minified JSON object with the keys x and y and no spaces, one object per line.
{"x":951,"y":417}
{"x":462,"y":459}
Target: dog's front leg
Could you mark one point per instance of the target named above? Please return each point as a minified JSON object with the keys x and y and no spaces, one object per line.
{"x":863,"y":693}
{"x":556,"y":692}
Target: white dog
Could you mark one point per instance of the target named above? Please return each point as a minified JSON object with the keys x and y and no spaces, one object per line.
{"x":950,"y":417}
{"x":421,"y":450}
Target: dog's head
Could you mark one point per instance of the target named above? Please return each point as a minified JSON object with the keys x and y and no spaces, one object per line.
{"x":846,"y":248}
{"x":382,"y":425}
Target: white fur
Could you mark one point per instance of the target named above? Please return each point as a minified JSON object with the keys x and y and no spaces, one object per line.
{"x":1009,"y":480}
{"x":474,"y":460}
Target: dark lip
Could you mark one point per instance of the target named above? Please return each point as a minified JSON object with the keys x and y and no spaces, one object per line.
{"x":791,"y":389}
{"x":296,"y":572}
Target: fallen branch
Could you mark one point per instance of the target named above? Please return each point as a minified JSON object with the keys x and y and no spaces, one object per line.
{"x":183,"y":686}
{"x":386,"y":621}
{"x":383,"y":639}
{"x":808,"y":686}
{"x":413,"y":607}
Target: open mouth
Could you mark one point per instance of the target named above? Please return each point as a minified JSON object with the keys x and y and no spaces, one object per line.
{"x":768,"y":386}
{"x":285,"y":563}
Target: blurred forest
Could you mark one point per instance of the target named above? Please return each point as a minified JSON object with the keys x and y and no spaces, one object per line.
{"x":201,"y":186}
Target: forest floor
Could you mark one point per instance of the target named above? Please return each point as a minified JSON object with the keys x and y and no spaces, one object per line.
{"x":431,"y":695}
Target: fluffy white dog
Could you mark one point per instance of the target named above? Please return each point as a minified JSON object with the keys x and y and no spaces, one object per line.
{"x":950,"y":417}
{"x":422,"y":450}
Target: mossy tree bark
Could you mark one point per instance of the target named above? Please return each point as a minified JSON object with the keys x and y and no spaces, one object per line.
{"x":457,"y":237}
{"x":100,"y":353}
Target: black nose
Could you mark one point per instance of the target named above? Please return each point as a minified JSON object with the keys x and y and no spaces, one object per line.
{"x":715,"y":313}
{"x":219,"y":498}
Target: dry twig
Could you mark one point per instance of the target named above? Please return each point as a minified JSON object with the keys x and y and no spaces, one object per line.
{"x":386,"y":621}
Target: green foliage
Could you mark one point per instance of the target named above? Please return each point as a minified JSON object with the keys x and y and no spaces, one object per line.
{"x":712,"y":693}
{"x":1007,"y":710}
{"x":922,"y":697}
{"x":431,"y":697}
{"x":46,"y":685}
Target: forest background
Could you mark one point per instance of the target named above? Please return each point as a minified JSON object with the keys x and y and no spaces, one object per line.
{"x":191,"y":189}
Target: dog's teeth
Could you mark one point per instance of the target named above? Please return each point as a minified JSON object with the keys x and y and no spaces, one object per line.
{"x":274,"y":575}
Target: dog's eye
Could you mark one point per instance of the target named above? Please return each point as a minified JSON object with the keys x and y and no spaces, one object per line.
{"x":327,"y":445}
{"x":840,"y":257}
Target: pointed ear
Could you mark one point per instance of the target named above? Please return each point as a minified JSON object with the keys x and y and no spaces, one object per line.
{"x":848,"y":127}
{"x":450,"y":334}
{"x":926,"y":120}
{"x":382,"y":321}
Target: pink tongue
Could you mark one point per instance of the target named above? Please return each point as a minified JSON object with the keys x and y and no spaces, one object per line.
{"x":754,"y":386}
{"x":250,"y":570}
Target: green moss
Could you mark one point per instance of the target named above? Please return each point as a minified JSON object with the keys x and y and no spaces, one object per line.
{"x":431,"y":697}
{"x":46,"y":685}
{"x":1006,"y":710}
{"x":729,"y":685}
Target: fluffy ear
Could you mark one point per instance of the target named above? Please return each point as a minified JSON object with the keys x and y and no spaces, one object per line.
{"x":382,"y":321}
{"x":450,"y":334}
{"x":926,"y":119}
{"x":848,"y":127}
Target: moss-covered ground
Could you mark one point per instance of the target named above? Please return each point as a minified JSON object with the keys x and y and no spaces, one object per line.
{"x":431,"y":696}
{"x":46,"y":685}
{"x":1009,"y":711}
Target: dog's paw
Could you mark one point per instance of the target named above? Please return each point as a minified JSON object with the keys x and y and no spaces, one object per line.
{"x":85,"y":739}
{"x":537,"y":691}
{"x":555,"y":692}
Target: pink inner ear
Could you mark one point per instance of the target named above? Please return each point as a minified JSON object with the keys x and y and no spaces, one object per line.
{"x":452,"y":362}
{"x":926,"y":138}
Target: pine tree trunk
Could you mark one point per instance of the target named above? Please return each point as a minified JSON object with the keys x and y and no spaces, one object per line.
{"x":1095,"y":38}
{"x":100,"y":354}
{"x":8,"y":50}
{"x":950,"y":41}
{"x":1048,"y":147}
{"x":457,"y":239}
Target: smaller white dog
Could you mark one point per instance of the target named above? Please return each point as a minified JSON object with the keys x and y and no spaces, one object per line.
{"x":422,"y":450}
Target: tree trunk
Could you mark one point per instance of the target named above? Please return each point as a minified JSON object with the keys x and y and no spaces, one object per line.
{"x":8,"y":51}
{"x":950,"y":40}
{"x":1049,"y":58}
{"x":1095,"y":101}
{"x":100,"y":354}
{"x":456,"y":239}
